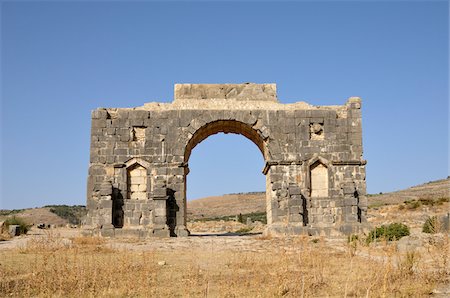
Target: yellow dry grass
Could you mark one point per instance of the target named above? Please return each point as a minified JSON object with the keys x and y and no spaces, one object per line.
{"x":90,"y":267}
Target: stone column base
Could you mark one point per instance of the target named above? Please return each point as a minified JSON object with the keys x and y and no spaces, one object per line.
{"x":182,"y":231}
{"x":279,"y":230}
{"x":161,"y":232}
{"x":140,"y":232}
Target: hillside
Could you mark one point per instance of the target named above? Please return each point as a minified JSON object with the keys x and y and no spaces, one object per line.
{"x":225,"y":205}
{"x":245,"y":203}
{"x":431,"y":190}
{"x":37,"y":216}
{"x":217,"y":206}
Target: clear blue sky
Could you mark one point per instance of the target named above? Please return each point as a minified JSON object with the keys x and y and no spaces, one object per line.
{"x":60,"y":60}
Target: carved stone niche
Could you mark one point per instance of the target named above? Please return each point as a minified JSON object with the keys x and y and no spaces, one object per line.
{"x":138,"y":134}
{"x":316,"y":131}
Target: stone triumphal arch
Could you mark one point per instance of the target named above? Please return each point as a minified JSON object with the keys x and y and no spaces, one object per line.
{"x":315,"y":172}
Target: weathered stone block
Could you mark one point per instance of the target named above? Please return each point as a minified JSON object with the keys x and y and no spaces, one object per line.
{"x":106,"y":204}
{"x":296,"y":218}
{"x":350,"y":201}
{"x":294,"y":190}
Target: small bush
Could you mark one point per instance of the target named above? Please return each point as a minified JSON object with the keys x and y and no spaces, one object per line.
{"x":413,"y":204}
{"x":352,"y":238}
{"x":442,"y":200}
{"x":24,"y":227}
{"x":394,"y":231}
{"x":431,"y":225}
{"x":240,"y":218}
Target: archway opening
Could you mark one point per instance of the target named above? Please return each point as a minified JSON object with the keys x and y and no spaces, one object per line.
{"x":225,"y":162}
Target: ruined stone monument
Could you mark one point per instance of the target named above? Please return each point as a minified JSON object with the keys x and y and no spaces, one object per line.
{"x":139,"y":160}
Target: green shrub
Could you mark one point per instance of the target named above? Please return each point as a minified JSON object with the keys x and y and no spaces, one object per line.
{"x":24,"y":227}
{"x":414,"y":204}
{"x":442,"y":200}
{"x":394,"y":231}
{"x":431,"y":225}
{"x":352,"y":238}
{"x":240,"y":218}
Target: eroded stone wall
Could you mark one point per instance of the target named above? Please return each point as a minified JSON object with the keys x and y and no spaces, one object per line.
{"x":140,"y":159}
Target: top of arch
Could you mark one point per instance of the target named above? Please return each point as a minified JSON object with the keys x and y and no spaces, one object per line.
{"x":246,"y":96}
{"x":237,"y":92}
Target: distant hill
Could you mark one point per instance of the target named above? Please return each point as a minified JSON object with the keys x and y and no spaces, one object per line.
{"x":431,"y":190}
{"x":231,"y":204}
{"x":50,"y":215}
{"x":225,"y":205}
{"x":256,"y":202}
{"x":35,"y":216}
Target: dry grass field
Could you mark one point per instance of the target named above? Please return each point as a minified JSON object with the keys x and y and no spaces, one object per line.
{"x":61,"y":263}
{"x":247,"y":266}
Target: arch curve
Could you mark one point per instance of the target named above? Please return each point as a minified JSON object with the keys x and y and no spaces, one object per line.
{"x":225,"y":126}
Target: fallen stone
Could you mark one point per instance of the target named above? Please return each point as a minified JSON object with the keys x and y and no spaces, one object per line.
{"x":14,"y":230}
{"x":409,"y":243}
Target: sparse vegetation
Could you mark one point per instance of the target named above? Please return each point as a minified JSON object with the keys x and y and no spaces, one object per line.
{"x":370,"y":195}
{"x":352,"y":238}
{"x":297,"y":268}
{"x":244,"y":231}
{"x":254,"y":216}
{"x":267,"y":266}
{"x":10,"y":212}
{"x":73,"y":214}
{"x":247,"y":193}
{"x":391,"y":232}
{"x":434,"y":224}
{"x":376,"y":205}
{"x":430,"y":225}
{"x":414,"y":204}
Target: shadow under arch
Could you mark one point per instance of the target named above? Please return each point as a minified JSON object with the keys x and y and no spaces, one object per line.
{"x":224,"y":126}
